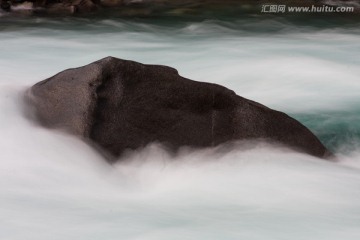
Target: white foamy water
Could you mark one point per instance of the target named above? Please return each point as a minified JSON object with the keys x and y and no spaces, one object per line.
{"x":54,"y":186}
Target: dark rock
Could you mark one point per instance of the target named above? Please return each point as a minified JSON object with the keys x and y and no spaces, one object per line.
{"x":61,"y":7}
{"x":121,"y":104}
{"x":5,"y":5}
{"x":83,"y":6}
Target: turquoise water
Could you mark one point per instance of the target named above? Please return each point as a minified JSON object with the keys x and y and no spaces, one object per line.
{"x":53,"y":186}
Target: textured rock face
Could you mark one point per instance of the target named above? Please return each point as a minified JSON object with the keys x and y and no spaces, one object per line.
{"x":121,"y":104}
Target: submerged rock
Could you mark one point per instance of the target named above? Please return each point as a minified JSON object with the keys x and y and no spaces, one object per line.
{"x":120,"y":104}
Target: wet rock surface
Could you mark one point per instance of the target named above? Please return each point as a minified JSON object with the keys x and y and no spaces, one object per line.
{"x":118,"y":104}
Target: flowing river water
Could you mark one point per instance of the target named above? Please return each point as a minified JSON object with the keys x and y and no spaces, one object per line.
{"x":54,"y":186}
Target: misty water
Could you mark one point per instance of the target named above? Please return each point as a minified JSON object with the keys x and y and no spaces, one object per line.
{"x":54,"y":186}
